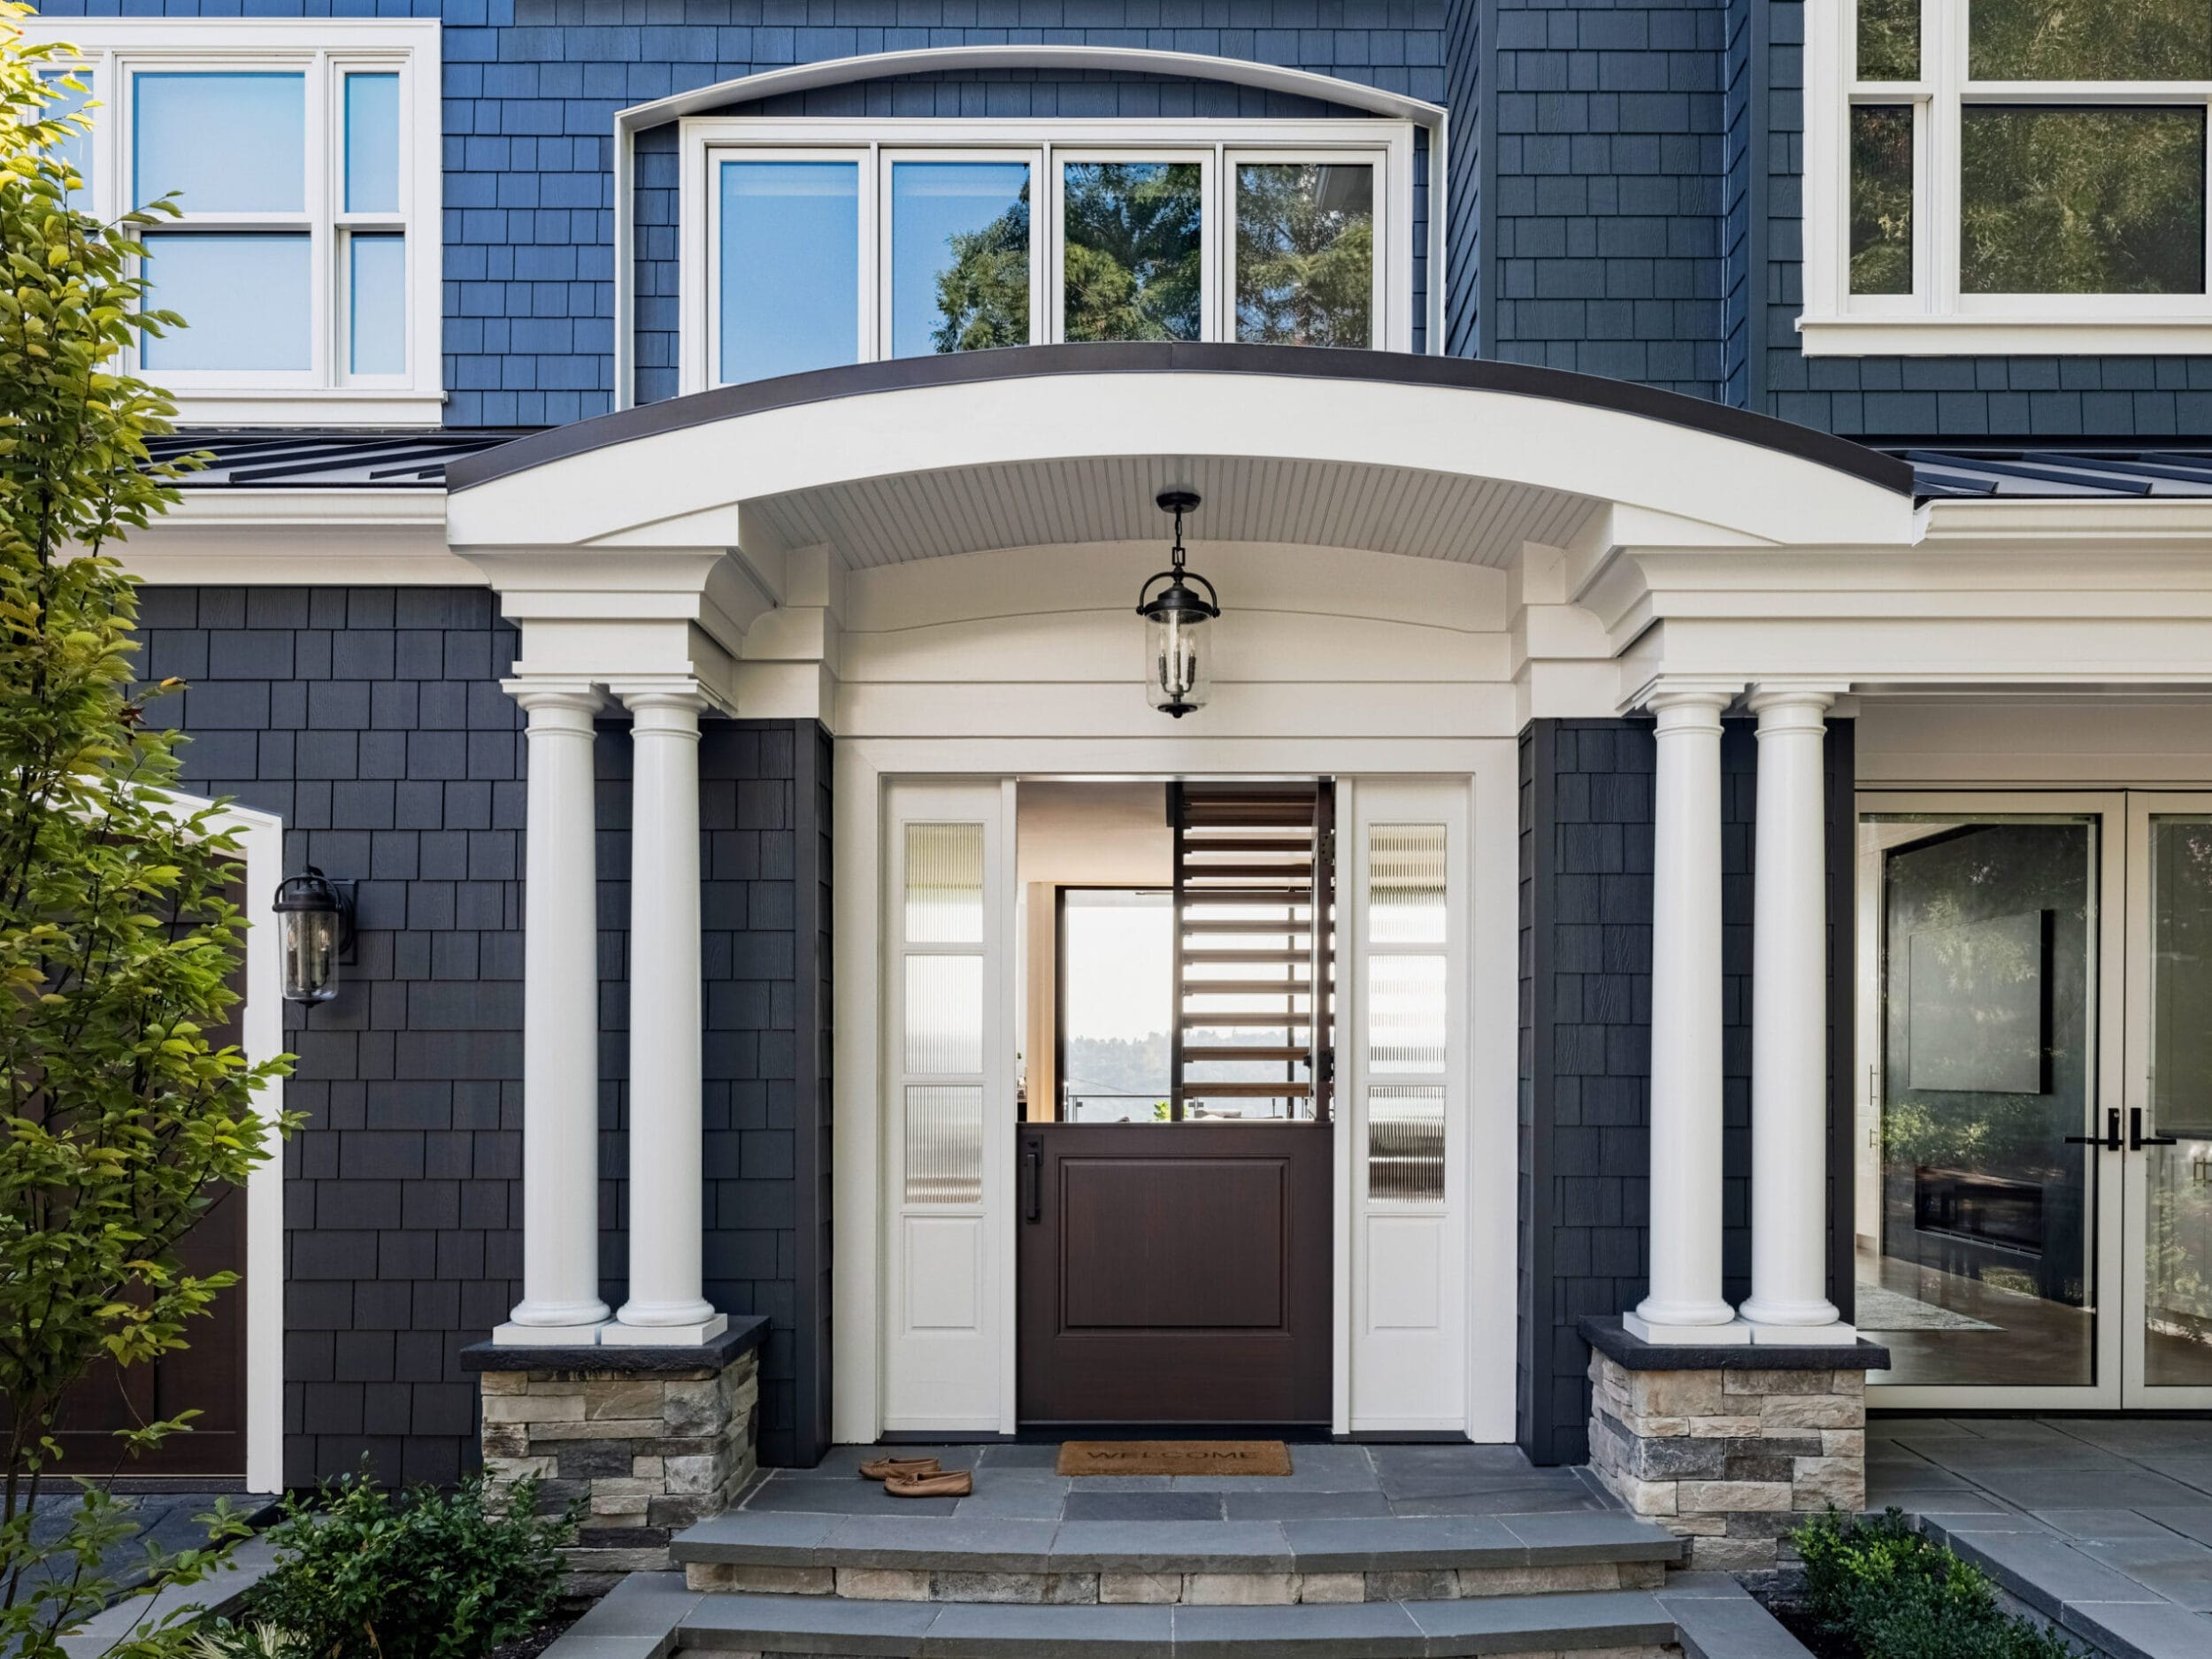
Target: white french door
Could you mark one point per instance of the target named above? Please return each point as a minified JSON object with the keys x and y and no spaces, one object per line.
{"x":2034,"y":1139}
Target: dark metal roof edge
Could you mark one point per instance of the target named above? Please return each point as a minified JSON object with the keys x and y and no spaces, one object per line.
{"x":1518,"y":379}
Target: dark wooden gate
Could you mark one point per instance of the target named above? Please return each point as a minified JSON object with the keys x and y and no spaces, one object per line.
{"x":1174,"y":1273}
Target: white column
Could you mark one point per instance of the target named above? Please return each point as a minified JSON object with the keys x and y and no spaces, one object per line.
{"x":667,"y":1120}
{"x":1789,"y":1025}
{"x":1685,"y":1303}
{"x":560,"y":1025}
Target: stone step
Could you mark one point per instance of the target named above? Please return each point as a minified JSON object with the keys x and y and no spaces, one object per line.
{"x":953,"y":1559}
{"x":1620,"y":1624}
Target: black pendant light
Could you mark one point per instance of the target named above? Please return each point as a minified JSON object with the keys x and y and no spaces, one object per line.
{"x":1178,"y":643}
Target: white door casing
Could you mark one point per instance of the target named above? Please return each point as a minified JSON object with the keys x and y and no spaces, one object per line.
{"x":948,"y":1072}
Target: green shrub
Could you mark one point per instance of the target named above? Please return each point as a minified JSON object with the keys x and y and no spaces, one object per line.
{"x":1899,"y":1595}
{"x":366,"y":1574}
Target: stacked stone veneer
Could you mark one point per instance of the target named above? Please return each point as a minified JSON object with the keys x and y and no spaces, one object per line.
{"x":646,"y":1452}
{"x":1166,"y":1586}
{"x":1729,"y":1459}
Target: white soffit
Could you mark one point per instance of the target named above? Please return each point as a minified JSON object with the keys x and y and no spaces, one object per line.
{"x":892,"y":520}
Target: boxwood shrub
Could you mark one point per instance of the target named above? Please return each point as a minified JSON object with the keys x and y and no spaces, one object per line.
{"x":1875,"y":1582}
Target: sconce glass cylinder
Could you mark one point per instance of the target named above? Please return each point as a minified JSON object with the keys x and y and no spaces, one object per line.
{"x":313,"y":922}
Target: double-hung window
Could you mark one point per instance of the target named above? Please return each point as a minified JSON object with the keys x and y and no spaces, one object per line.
{"x":302,"y":156}
{"x":2008,"y":176}
{"x":812,"y":244}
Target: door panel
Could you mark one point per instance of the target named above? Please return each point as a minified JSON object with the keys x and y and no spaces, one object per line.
{"x":1175,"y":1273}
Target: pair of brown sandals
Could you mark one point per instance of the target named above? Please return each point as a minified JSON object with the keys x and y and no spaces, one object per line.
{"x":918,"y":1478}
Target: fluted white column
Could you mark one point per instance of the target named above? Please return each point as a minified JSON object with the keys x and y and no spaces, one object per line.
{"x":1789,"y":1024}
{"x":1685,"y":1303}
{"x":560,"y":1025}
{"x":667,"y":1120}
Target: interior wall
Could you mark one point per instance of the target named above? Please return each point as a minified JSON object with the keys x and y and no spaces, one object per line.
{"x":1074,"y":834}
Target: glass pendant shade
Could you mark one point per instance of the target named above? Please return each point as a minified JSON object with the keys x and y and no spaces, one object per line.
{"x":1178,"y":624}
{"x":315,"y":923}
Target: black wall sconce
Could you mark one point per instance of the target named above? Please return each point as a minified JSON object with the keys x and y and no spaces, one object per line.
{"x":315,"y":917}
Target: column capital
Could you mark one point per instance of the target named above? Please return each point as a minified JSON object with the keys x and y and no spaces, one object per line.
{"x":678,"y":693}
{"x":1693,"y":699}
{"x":554,"y":694}
{"x":1815,"y":696}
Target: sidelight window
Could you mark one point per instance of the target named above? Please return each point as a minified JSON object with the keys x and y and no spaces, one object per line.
{"x":919,"y":239}
{"x":2010,"y":175}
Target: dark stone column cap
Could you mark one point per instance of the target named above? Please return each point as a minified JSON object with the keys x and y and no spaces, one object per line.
{"x":1607,"y":1334}
{"x":747,"y":1333}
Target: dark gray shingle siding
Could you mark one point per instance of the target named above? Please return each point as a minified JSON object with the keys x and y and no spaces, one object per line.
{"x":371,"y":721}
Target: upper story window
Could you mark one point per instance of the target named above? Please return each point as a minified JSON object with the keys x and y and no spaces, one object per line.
{"x":2008,"y":176}
{"x":810,"y":245}
{"x":303,"y":156}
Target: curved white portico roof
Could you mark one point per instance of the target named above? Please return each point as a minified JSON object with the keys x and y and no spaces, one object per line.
{"x":921,"y":458}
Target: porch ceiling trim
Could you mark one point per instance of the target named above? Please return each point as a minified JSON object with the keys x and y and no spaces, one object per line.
{"x":1561,"y":386}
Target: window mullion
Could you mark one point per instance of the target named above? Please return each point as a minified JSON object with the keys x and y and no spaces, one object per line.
{"x":1945,"y":182}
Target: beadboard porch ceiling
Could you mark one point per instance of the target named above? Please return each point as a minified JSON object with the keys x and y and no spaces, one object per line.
{"x":891,"y":520}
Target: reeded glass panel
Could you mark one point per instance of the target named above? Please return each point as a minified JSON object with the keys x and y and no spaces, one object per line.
{"x":75,"y":148}
{"x":1405,"y":1144}
{"x":2177,"y":1242}
{"x":228,"y":143}
{"x":944,"y":1144}
{"x":1973,"y":1215}
{"x":1881,"y":198}
{"x":959,"y":256}
{"x":2089,"y":40}
{"x":944,"y":884}
{"x":2081,"y":201}
{"x":790,"y":279}
{"x":1405,"y":1014}
{"x":1305,"y":254}
{"x":1889,"y":40}
{"x":1131,"y":265}
{"x":371,"y":144}
{"x":1405,"y":884}
{"x":376,"y":295}
{"x":944,"y":1015}
{"x":247,"y":299}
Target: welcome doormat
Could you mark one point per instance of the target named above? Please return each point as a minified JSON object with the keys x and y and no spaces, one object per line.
{"x":1174,"y":1457}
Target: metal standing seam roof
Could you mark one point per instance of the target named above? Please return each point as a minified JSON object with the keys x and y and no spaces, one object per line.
{"x":417,"y":459}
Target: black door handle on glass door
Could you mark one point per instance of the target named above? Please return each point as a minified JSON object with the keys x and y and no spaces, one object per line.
{"x":1032,"y":1180}
{"x":2138,"y":1140}
{"x":2111,"y":1140}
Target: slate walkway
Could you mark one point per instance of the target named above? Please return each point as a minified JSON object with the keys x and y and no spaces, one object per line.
{"x":2103,"y":1525}
{"x":1326,"y":1483}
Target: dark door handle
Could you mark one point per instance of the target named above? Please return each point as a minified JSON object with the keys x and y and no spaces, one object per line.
{"x":2138,"y":1140}
{"x":2111,"y":1140}
{"x":1033,"y":1182}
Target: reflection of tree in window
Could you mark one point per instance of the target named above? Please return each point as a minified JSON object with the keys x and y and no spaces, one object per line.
{"x":1305,"y":255}
{"x":1881,"y":199}
{"x":2089,"y":40}
{"x":983,"y":295}
{"x":1132,"y":252}
{"x":2082,"y":201}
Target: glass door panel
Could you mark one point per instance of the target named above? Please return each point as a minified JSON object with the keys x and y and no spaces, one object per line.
{"x":2169,"y":1107}
{"x":1979,"y":1222}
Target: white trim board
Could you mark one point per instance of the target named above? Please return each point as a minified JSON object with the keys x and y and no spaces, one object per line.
{"x":955,"y":59}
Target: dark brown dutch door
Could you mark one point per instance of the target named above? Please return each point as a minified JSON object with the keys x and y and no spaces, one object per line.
{"x":1175,"y":1208}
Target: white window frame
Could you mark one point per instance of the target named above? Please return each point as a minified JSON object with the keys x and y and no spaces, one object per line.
{"x":1936,"y":320}
{"x":324,"y":51}
{"x":705,"y":141}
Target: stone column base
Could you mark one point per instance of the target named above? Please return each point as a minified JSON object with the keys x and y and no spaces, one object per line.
{"x":652,"y":1440}
{"x":1729,"y":1446}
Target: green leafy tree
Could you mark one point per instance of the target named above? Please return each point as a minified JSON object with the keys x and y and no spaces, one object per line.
{"x":1305,"y":257}
{"x":983,"y":295}
{"x":1133,"y":250}
{"x":123,"y":1120}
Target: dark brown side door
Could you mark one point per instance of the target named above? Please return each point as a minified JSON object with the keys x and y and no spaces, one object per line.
{"x":210,"y":1376}
{"x":1174,"y":1273}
